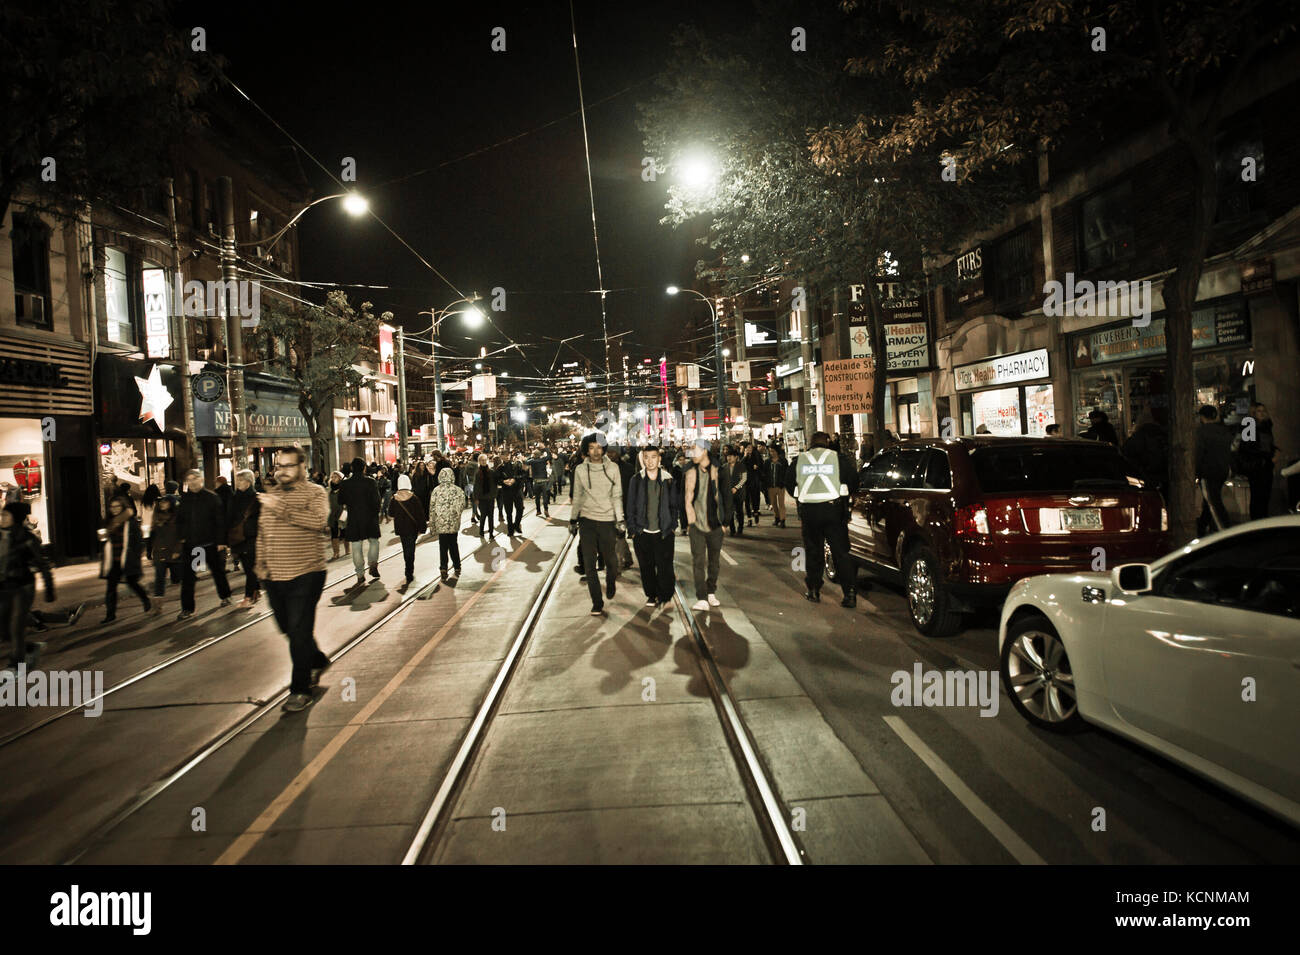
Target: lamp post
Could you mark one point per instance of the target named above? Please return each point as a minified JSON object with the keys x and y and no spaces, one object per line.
{"x":721,"y":395}
{"x":439,"y":316}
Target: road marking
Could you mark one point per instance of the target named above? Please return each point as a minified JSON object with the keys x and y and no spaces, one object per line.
{"x":729,"y":559}
{"x":1019,"y":849}
{"x":243,"y":845}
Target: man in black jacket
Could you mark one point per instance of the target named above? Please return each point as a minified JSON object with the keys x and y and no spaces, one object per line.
{"x":360,"y":496}
{"x":652,"y":510}
{"x":20,"y":560}
{"x":540,"y":466}
{"x":202,"y":519}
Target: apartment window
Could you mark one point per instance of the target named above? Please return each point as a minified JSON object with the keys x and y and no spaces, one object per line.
{"x":118,"y":298}
{"x":1240,"y":151}
{"x":1107,"y":226}
{"x":1013,"y":270}
{"x":30,"y":242}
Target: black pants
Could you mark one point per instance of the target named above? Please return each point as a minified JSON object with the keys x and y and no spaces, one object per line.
{"x":541,"y":496}
{"x":294,"y":604}
{"x":1211,"y":505}
{"x":654,"y":555}
{"x":247,"y":552}
{"x":597,"y":537}
{"x":160,"y":571}
{"x":448,"y":546}
{"x":514,"y":513}
{"x":15,"y":601}
{"x":485,"y":509}
{"x":110,"y":593}
{"x":216,"y":561}
{"x":824,"y":524}
{"x":408,"y":555}
{"x":1261,"y":492}
{"x":737,"y":524}
{"x":753,"y":496}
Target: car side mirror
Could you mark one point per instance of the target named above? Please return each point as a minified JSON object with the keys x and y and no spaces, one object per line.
{"x":1132,"y":578}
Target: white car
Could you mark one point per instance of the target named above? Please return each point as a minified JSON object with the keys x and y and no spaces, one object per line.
{"x":1196,"y":656}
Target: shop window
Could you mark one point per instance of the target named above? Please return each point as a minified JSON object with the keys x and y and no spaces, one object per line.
{"x":1107,"y":227}
{"x":118,"y":298}
{"x":1013,"y":267}
{"x":30,"y":242}
{"x":1098,"y":390}
{"x":1238,"y":197}
{"x":993,"y":412}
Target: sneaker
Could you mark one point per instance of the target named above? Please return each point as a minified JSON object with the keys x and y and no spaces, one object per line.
{"x":80,"y":608}
{"x":246,"y":603}
{"x":185,"y":615}
{"x":597,"y":611}
{"x":297,"y":702}
{"x":714,"y":601}
{"x":316,"y":673}
{"x":361,"y":582}
{"x":609,"y":592}
{"x":700,"y":605}
{"x":225,"y":602}
{"x":651,"y":602}
{"x":813,"y":594}
{"x":850,"y":600}
{"x":455,"y":572}
{"x":374,"y":571}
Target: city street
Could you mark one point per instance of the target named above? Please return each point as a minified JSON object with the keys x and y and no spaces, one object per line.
{"x":580,"y":763}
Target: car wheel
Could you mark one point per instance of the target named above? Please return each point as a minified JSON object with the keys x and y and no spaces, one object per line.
{"x":928,"y":601}
{"x":1037,"y":676}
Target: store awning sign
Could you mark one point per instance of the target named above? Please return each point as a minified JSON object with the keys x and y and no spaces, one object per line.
{"x":1005,"y":369}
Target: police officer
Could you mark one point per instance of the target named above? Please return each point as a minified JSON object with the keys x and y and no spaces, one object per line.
{"x":822,"y":480}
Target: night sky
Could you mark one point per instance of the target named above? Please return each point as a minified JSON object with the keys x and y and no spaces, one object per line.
{"x":408,"y":92}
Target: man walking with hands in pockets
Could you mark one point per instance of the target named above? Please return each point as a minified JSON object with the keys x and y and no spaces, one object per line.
{"x":291,"y":566}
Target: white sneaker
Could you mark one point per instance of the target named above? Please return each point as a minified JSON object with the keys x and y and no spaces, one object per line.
{"x":700,"y":605}
{"x":714,"y":601}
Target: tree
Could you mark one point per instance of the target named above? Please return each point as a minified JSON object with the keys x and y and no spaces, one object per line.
{"x":786,"y":193}
{"x":321,"y":346}
{"x":101,"y":89}
{"x":1003,"y":77}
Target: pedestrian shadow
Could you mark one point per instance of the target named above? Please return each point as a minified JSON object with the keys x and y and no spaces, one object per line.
{"x":730,"y":651}
{"x":639,"y":643}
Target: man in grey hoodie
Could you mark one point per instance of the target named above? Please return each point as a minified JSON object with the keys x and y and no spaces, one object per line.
{"x":597,"y":515}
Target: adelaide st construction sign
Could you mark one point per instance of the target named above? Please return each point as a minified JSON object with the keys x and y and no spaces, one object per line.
{"x":847,"y":384}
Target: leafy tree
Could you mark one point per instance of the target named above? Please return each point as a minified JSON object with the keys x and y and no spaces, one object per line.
{"x":101,"y":88}
{"x":320,"y":346}
{"x":787,"y":193}
{"x":1003,"y":77}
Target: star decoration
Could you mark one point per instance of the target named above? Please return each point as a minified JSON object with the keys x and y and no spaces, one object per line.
{"x":154,"y":398}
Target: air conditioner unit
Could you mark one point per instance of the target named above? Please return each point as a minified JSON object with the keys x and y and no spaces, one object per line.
{"x":30,"y":307}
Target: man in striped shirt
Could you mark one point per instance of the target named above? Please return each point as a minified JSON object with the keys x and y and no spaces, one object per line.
{"x":291,"y":566}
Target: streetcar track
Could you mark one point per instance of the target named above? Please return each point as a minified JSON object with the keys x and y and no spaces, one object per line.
{"x":151,"y":792}
{"x":162,"y":665}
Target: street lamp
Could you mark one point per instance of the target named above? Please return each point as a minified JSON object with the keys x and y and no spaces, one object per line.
{"x":717,"y":353}
{"x":473,"y":318}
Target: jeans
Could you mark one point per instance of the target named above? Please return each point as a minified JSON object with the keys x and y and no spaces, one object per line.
{"x":448,"y":545}
{"x":216,"y":561}
{"x":14,"y":604}
{"x":541,"y":496}
{"x":654,"y":555}
{"x":248,"y":560}
{"x":294,"y":604}
{"x":824,"y":524}
{"x":408,"y":555}
{"x":359,"y":553}
{"x":705,"y":549}
{"x":160,"y":570}
{"x":593,"y":537}
{"x":110,"y":593}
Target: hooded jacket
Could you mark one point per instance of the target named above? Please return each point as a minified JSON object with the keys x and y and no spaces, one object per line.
{"x":597,"y":491}
{"x":638,"y":498}
{"x":446,"y":504}
{"x":407,"y":510}
{"x":360,"y":495}
{"x":123,"y":545}
{"x":165,"y":535}
{"x":20,"y":555}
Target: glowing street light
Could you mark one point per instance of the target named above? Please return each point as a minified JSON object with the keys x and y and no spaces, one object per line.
{"x":355,"y":204}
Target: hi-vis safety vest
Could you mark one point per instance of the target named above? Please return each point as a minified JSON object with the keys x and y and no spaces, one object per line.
{"x":818,"y":475}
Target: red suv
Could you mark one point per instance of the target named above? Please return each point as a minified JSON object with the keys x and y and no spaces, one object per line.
{"x":959,"y":520}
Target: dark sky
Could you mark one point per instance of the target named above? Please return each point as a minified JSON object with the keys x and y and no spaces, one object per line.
{"x":404,"y":90}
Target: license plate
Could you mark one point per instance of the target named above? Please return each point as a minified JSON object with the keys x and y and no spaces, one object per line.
{"x":1081,"y":519}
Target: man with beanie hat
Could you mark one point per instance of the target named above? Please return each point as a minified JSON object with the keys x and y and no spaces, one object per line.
{"x":20,"y":556}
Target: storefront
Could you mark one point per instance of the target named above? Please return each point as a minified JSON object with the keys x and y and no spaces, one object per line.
{"x":1120,"y":369}
{"x":1007,"y":394}
{"x":45,"y":439}
{"x":139,"y":423}
{"x":273,"y":420}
